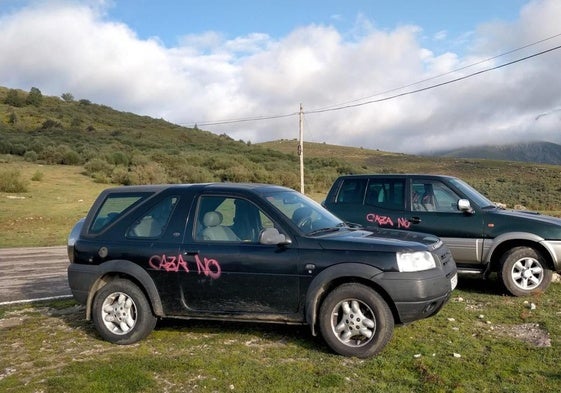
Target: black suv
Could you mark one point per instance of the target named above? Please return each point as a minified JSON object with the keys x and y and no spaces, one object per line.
{"x":524,"y":248}
{"x":247,"y":252}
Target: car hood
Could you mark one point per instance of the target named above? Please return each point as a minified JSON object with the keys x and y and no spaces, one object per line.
{"x":530,"y":215}
{"x":380,"y":239}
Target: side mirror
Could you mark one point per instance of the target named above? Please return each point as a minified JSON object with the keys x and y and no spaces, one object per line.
{"x":465,"y":206}
{"x":273,"y":236}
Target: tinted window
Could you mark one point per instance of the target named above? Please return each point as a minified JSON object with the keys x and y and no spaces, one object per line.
{"x":352,"y":191}
{"x":386,"y":193}
{"x":154,"y":223}
{"x":112,"y":208}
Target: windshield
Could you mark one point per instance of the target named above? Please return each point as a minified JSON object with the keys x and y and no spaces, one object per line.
{"x":472,"y":194}
{"x":305,"y":213}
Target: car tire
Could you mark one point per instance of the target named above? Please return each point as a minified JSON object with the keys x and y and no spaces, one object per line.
{"x":356,"y":321}
{"x":524,"y":271}
{"x":121,"y":313}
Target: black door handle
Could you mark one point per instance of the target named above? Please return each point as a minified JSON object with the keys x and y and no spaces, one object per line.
{"x":415,"y":220}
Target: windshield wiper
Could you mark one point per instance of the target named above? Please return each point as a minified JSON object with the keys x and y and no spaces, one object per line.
{"x":322,"y":230}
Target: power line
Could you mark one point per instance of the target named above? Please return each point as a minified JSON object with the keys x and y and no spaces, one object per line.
{"x":436,"y":85}
{"x":449,"y":72}
{"x":349,"y":104}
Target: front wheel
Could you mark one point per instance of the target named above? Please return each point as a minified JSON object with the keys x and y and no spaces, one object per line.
{"x":356,"y":321}
{"x":121,"y":313}
{"x":524,"y":271}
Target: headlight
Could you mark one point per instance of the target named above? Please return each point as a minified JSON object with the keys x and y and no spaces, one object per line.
{"x":415,"y":261}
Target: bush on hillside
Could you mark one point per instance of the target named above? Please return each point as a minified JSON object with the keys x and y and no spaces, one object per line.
{"x":11,"y":181}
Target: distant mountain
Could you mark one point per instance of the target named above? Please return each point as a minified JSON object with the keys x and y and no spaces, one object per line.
{"x":537,"y":152}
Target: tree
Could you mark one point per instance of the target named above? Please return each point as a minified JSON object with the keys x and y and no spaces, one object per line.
{"x":35,"y":97}
{"x":68,"y":97}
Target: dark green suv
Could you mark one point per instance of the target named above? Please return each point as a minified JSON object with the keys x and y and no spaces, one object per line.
{"x":524,"y":248}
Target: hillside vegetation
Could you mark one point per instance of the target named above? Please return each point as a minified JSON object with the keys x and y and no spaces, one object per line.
{"x":123,"y":148}
{"x":44,"y":140}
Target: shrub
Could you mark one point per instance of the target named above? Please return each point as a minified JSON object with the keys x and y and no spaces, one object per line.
{"x":120,"y":175}
{"x":68,"y":97}
{"x":98,"y":166}
{"x":48,"y":124}
{"x":151,"y":173}
{"x":11,"y":181}
{"x":35,"y":97}
{"x":70,"y":157}
{"x":30,"y":156}
{"x":37,"y":176}
{"x":13,"y":98}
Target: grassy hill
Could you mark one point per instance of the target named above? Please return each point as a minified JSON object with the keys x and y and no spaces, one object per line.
{"x":56,"y":152}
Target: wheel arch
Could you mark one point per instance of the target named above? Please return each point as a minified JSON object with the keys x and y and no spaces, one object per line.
{"x":112,"y":270}
{"x":507,"y":241}
{"x":335,"y":276}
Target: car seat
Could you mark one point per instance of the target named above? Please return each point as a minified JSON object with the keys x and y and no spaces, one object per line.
{"x":214,"y":230}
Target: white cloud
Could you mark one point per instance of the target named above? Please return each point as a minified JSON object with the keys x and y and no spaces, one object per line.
{"x":73,"y":47}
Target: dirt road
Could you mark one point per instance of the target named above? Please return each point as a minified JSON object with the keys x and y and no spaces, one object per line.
{"x":33,"y":273}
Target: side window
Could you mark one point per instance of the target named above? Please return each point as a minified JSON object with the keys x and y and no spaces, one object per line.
{"x":434,"y":196}
{"x":226,"y":219}
{"x":112,"y":208}
{"x":154,"y":223}
{"x":386,"y":193}
{"x":352,"y":191}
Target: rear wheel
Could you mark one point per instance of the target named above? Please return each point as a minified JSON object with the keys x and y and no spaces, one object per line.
{"x":121,"y":313}
{"x":356,"y":321}
{"x":524,"y":271}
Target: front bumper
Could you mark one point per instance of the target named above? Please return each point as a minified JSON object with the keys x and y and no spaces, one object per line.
{"x":418,"y":295}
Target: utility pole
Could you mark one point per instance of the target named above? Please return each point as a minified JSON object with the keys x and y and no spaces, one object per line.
{"x":301,"y":148}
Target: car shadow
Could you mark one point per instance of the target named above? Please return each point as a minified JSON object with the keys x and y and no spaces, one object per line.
{"x":477,"y":284}
{"x":267,"y":334}
{"x":73,"y":316}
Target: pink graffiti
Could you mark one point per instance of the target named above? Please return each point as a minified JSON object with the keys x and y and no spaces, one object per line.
{"x":207,"y":267}
{"x":380,"y":220}
{"x":210,"y":267}
{"x":168,"y":263}
{"x":402,"y":222}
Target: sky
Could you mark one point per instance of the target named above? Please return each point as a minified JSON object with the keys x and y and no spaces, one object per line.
{"x":401,"y":76}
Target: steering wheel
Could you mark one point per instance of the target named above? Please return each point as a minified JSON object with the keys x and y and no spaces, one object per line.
{"x":305,"y":222}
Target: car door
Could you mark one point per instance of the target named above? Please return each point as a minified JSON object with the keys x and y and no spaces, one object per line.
{"x":433,"y":208}
{"x":229,"y":270}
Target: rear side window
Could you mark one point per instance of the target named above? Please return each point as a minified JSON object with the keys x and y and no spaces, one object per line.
{"x":112,"y":208}
{"x":352,"y":191}
{"x":386,"y":193}
{"x":154,"y":223}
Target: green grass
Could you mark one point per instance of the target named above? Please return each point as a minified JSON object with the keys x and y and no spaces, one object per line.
{"x":46,"y":212}
{"x":49,"y":347}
